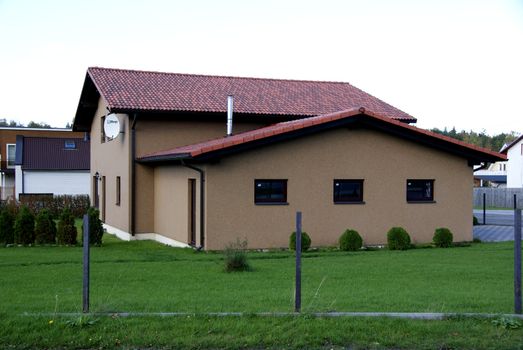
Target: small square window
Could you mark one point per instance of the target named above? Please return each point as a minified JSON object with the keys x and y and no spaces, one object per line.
{"x":420,"y":190}
{"x":270,"y":191}
{"x":69,"y":144}
{"x":348,"y":191}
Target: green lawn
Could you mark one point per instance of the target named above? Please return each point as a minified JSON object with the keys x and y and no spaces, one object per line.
{"x":148,"y":277}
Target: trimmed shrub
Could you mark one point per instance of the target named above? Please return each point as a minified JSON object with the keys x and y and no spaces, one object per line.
{"x":78,"y":204}
{"x":67,"y":232}
{"x":96,"y":229}
{"x":475,"y":221}
{"x":398,"y":239}
{"x":24,"y":228}
{"x":235,"y":257}
{"x":442,"y":237}
{"x":350,"y":240}
{"x":6,"y":226}
{"x":45,"y":228}
{"x":305,"y":241}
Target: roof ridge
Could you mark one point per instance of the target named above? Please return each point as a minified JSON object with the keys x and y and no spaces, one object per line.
{"x":229,"y":77}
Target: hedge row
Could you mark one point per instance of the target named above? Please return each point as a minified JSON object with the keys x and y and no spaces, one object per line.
{"x":78,"y":204}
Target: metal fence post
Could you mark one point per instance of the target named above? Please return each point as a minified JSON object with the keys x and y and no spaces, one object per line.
{"x":85,"y":294}
{"x":297,"y":295}
{"x":484,"y":208}
{"x":517,"y":261}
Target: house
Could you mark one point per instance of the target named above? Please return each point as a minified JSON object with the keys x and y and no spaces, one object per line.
{"x":8,"y":152}
{"x":171,"y":170}
{"x":491,"y":175}
{"x":52,"y":166}
{"x":514,"y":152}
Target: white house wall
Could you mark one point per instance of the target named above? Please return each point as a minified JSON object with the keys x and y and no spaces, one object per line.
{"x":56,"y":182}
{"x":515,"y":166}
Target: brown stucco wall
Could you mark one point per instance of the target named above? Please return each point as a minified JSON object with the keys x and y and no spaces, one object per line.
{"x":112,"y":159}
{"x":156,"y":135}
{"x":171,"y":200}
{"x":311,"y":164}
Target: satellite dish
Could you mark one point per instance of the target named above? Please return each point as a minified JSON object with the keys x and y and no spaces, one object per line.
{"x":112,"y":126}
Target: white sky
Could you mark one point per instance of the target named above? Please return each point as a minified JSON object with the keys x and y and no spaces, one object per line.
{"x":447,"y":62}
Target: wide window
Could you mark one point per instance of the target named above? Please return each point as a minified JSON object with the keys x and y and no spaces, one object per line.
{"x":420,"y":190}
{"x":348,"y":191}
{"x":270,"y":191}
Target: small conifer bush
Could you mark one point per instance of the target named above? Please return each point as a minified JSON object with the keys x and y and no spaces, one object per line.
{"x":96,"y":229}
{"x":305,"y":241}
{"x":24,"y":228}
{"x":350,"y":240}
{"x":66,"y":233}
{"x":45,"y":228}
{"x":235,"y":257}
{"x":6,"y":227}
{"x":475,"y":221}
{"x":398,"y":239}
{"x":442,"y":237}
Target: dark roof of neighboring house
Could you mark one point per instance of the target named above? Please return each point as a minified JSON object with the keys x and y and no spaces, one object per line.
{"x":505,"y":149}
{"x":50,"y":153}
{"x":140,"y":91}
{"x":296,"y":128}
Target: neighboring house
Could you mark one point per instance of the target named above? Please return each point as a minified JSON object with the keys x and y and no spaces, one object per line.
{"x":491,"y":175}
{"x":52,"y":166}
{"x":8,"y":152}
{"x":344,"y":158}
{"x":514,"y":152}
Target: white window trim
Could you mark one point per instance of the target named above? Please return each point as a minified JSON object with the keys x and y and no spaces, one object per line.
{"x":7,"y":155}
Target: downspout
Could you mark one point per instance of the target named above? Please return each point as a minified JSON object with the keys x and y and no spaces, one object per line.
{"x":202,"y":199}
{"x":133,"y":171}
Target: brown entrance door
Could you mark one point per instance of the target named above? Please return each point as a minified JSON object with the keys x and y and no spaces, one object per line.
{"x":103,"y":198}
{"x":192,"y":212}
{"x":95,"y":190}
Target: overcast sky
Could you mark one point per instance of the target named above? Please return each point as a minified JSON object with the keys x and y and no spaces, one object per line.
{"x":448,"y":63}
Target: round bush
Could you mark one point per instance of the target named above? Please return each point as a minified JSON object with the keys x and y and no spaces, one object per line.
{"x":350,"y":240}
{"x":475,"y":221}
{"x":442,"y":237}
{"x":305,"y":241}
{"x":96,"y":229}
{"x":398,"y":239}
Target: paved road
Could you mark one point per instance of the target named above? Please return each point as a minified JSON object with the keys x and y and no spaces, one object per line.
{"x":496,"y":217}
{"x":491,"y":233}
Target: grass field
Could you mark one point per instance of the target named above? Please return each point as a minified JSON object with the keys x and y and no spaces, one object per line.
{"x":148,"y":277}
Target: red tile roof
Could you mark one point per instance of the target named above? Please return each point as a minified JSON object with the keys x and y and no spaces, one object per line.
{"x":49,"y":153}
{"x":155,"y":91}
{"x":195,"y":150}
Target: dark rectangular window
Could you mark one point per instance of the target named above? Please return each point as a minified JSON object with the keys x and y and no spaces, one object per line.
{"x":118,"y":190}
{"x":420,"y":190}
{"x":348,"y":191}
{"x":270,"y":191}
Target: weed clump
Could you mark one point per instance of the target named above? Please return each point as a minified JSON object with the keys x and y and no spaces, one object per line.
{"x":398,"y":239}
{"x":350,"y":240}
{"x":235,"y":257}
{"x":442,"y":237}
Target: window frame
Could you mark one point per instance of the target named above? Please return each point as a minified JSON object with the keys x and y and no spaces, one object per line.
{"x":336,"y":198}
{"x":425,"y":199}
{"x":271,"y":201}
{"x":103,"y":138}
{"x":7,"y":159}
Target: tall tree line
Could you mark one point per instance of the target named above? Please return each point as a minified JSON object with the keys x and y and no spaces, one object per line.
{"x":494,"y":143}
